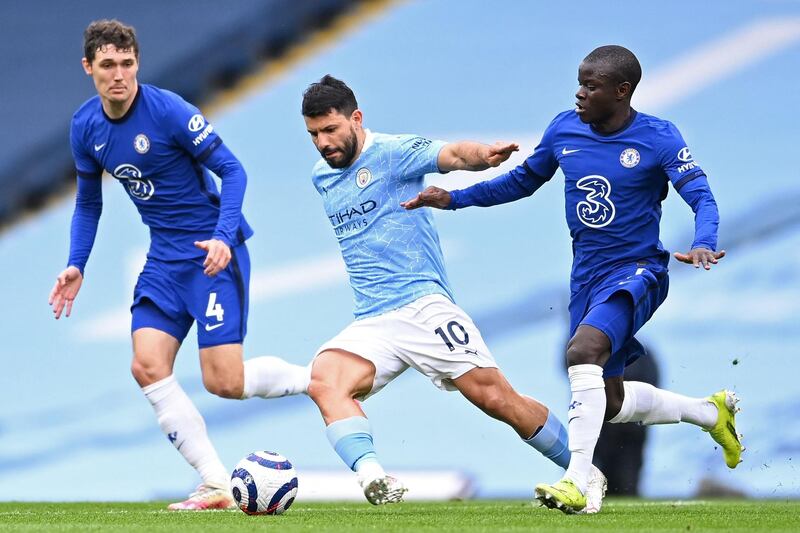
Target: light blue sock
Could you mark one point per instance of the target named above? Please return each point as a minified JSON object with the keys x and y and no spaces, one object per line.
{"x":551,"y":441}
{"x":352,"y":440}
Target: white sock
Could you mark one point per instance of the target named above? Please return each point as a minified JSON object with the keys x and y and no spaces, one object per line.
{"x":585,"y":416}
{"x":368,"y":469}
{"x":272,"y":377}
{"x":184,"y":427}
{"x":646,"y":404}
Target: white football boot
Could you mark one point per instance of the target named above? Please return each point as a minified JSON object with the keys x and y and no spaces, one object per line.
{"x":383,"y":490}
{"x":206,"y":498}
{"x":595,"y":491}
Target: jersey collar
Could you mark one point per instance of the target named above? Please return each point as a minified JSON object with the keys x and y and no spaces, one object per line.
{"x":624,"y":127}
{"x":369,"y":138}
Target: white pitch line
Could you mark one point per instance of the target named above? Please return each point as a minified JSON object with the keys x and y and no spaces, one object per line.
{"x":297,"y":277}
{"x":670,"y":84}
{"x":700,"y":68}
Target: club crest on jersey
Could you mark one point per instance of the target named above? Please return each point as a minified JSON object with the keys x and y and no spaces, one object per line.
{"x":629,"y":157}
{"x":196,"y":123}
{"x":138,"y":186}
{"x":141,"y":143}
{"x":363,"y":177}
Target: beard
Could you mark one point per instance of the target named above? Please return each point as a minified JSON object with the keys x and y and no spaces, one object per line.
{"x":348,"y":151}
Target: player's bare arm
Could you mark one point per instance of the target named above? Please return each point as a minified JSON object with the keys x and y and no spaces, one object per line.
{"x":219,"y":255}
{"x":65,"y":290}
{"x":469,"y":155}
{"x":700,"y":256}
{"x":464,"y":155}
{"x":430,"y":197}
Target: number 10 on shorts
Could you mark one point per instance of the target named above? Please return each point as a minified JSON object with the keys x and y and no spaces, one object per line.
{"x":455,"y":333}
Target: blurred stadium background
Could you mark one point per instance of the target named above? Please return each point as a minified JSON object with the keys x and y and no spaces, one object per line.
{"x":73,"y":425}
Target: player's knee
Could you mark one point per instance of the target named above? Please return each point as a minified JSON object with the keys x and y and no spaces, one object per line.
{"x":584,"y":352}
{"x":224,"y":388}
{"x":495,"y":402}
{"x":320,"y":389}
{"x":146,"y":373}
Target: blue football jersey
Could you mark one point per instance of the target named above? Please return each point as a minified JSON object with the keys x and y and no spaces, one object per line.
{"x":393,"y":256}
{"x":614,"y":185}
{"x":156,"y":153}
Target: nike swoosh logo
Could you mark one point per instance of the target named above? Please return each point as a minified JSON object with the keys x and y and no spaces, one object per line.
{"x":564,"y":151}
{"x":98,"y":147}
{"x":209,"y":327}
{"x":571,"y":419}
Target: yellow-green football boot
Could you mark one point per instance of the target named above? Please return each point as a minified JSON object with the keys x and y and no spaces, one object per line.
{"x":724,"y":431}
{"x":562,"y":495}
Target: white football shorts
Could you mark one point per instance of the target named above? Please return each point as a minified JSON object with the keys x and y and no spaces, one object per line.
{"x":432,"y":335}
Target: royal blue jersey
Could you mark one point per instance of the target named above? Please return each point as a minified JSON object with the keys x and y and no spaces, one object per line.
{"x":157,"y":152}
{"x":392,"y":255}
{"x":614,"y":185}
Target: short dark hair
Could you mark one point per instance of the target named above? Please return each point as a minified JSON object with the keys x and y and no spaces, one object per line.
{"x":104,"y":32}
{"x":618,"y":62}
{"x":326,"y":94}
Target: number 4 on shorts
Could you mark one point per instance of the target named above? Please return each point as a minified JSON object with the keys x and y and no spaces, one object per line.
{"x":214,"y":309}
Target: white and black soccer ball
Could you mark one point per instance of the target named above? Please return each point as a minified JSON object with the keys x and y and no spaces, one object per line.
{"x":264,"y":483}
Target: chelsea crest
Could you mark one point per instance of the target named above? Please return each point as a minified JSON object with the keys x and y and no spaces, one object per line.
{"x":141,"y":143}
{"x":629,"y":157}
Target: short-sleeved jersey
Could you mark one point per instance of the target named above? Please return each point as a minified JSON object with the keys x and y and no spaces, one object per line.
{"x":614,"y":186}
{"x":393,"y":256}
{"x":156,"y":151}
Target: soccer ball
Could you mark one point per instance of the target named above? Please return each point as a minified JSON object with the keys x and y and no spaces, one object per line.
{"x":264,"y":483}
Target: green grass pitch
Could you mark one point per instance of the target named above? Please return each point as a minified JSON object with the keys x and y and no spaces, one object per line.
{"x":507,"y":515}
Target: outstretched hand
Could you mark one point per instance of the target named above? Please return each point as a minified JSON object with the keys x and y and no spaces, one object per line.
{"x":65,"y":290}
{"x":700,"y":256}
{"x":219,"y":255}
{"x":430,"y":197}
{"x":500,"y":152}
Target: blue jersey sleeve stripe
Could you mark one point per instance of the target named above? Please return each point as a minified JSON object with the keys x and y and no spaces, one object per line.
{"x":534,"y":175}
{"x":88,"y":175}
{"x":207,"y":152}
{"x":686,"y":179}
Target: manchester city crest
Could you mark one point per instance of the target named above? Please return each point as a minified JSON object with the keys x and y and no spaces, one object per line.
{"x":141,"y":143}
{"x":363,"y":177}
{"x":629,"y":157}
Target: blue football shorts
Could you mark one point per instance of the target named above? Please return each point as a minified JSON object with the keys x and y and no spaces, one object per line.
{"x":171,"y":295}
{"x":619,"y":304}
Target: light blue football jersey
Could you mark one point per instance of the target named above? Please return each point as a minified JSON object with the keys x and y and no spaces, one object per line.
{"x":393,"y":256}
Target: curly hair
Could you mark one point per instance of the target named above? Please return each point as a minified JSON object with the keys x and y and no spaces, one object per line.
{"x":105,"y":32}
